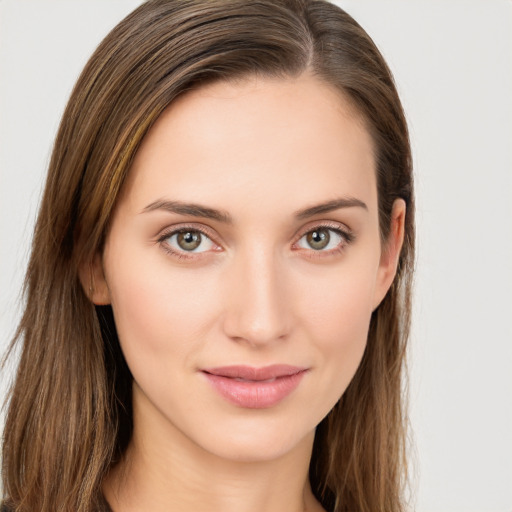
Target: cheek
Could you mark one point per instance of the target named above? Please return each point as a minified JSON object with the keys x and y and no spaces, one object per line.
{"x":339,"y":302}
{"x":336,"y":317}
{"x":158,"y":312}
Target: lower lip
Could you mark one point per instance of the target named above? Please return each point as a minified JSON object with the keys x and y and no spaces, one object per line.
{"x":255,"y":394}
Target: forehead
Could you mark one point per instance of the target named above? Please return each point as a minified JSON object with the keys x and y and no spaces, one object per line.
{"x":253,"y":138}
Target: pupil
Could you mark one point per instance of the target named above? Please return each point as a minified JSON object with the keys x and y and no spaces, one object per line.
{"x":189,"y":240}
{"x":319,"y":238}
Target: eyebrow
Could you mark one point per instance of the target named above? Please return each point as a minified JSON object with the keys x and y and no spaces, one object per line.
{"x":329,"y":206}
{"x":193,"y":209}
{"x":197,"y":210}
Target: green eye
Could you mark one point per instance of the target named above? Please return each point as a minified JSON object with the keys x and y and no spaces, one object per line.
{"x":323,"y":239}
{"x":318,"y":239}
{"x":189,"y":240}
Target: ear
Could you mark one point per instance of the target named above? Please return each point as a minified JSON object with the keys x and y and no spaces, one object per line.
{"x":390,"y":252}
{"x":94,"y":283}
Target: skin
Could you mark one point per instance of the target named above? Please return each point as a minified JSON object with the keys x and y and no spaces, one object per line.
{"x":254,"y":292}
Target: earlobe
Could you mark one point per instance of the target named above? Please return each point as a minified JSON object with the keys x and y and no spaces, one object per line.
{"x":94,"y":283}
{"x":391,"y":252}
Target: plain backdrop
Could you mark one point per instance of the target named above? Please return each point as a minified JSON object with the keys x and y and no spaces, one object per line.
{"x":452,"y":61}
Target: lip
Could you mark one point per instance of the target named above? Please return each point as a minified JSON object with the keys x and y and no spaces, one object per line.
{"x":255,"y":388}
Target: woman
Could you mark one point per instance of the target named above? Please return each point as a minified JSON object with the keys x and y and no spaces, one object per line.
{"x":218,"y":293}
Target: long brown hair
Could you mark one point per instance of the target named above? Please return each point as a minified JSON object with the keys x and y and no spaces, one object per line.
{"x":69,"y":418}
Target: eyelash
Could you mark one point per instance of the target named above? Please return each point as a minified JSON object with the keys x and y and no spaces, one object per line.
{"x":346,"y":235}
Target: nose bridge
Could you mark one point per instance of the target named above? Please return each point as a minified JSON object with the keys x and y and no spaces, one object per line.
{"x":257,"y":308}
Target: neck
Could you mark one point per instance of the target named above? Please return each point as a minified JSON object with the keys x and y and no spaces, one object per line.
{"x":164,"y":470}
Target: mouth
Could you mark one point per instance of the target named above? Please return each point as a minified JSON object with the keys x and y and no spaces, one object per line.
{"x":255,"y":388}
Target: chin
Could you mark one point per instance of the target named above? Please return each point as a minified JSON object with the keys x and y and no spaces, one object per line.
{"x":260,"y":451}
{"x":256,"y":440}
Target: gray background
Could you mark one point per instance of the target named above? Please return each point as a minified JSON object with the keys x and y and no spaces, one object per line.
{"x":452,"y":60}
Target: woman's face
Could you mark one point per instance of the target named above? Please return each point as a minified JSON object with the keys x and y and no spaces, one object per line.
{"x":243,"y":264}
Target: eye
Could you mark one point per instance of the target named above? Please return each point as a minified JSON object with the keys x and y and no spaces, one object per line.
{"x":324,"y":239}
{"x":187,"y":240}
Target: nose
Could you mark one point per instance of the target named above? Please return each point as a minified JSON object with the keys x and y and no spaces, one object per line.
{"x":258,"y":309}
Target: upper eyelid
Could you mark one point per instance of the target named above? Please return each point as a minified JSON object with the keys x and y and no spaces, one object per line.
{"x":329,"y":224}
{"x":172,"y":230}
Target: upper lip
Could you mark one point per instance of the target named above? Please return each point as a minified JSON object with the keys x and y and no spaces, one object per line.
{"x":255,"y":374}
